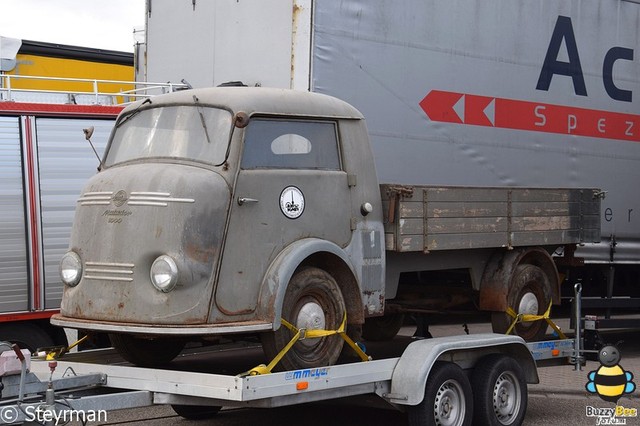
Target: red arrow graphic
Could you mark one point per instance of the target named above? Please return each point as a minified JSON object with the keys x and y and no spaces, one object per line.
{"x":439,"y":106}
{"x":531,"y":116}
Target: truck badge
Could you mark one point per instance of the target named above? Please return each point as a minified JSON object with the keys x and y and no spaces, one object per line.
{"x":120,"y":198}
{"x":292,"y":202}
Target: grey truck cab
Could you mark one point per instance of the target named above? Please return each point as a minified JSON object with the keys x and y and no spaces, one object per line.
{"x":220,"y":211}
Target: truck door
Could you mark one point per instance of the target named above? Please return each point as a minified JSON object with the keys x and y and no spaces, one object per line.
{"x":291,"y":185}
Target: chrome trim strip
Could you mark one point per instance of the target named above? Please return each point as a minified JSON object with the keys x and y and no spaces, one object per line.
{"x":89,"y":194}
{"x":151,"y":194}
{"x":95,"y":198}
{"x":94,"y":203}
{"x":146,"y":198}
{"x":109,"y":271}
{"x":147,"y":203}
{"x":115,"y":265}
{"x":159,"y":199}
{"x":96,"y":277}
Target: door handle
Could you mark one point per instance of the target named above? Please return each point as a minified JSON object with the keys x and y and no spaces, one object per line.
{"x":244,"y":200}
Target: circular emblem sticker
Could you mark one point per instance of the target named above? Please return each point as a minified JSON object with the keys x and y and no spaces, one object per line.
{"x":292,"y":202}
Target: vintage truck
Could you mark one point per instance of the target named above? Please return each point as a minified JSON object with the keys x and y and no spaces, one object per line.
{"x":223,"y":211}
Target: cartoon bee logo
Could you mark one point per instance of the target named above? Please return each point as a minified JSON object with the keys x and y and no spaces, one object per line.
{"x":610,"y":381}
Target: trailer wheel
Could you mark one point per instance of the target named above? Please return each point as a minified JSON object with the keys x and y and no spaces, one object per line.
{"x":529,"y":293}
{"x":381,"y":329}
{"x":448,"y":400}
{"x":26,"y":336}
{"x":500,"y":391}
{"x":195,"y":412}
{"x":146,"y":352}
{"x":312,"y":301}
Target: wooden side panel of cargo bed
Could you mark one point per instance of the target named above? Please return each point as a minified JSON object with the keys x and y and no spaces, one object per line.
{"x":421,"y":218}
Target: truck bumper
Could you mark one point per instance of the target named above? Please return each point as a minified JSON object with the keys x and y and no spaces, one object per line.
{"x":162,"y":330}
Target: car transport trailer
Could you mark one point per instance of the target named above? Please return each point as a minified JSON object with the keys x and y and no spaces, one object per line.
{"x":428,"y":380}
{"x":445,"y":380}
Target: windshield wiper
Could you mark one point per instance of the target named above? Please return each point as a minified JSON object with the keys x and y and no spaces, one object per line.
{"x":204,"y":124}
{"x":134,"y":113}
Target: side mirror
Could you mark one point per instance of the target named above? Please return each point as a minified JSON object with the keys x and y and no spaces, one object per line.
{"x":88,"y":132}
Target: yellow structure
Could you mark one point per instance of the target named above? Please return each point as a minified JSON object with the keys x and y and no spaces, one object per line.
{"x":72,"y":62}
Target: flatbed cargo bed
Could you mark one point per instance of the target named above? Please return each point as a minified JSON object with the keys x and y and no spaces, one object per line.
{"x":429,"y":218}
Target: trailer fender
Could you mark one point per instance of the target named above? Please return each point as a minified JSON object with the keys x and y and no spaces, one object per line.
{"x":275,"y":281}
{"x":409,"y":378}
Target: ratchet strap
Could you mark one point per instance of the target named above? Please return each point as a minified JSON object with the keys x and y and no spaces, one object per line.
{"x":517,"y":318}
{"x":56,"y":352}
{"x":301,"y":334}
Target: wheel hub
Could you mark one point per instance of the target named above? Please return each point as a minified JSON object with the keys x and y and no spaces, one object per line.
{"x":528,"y":304}
{"x":506,"y":402}
{"x":449,"y":405}
{"x":310,"y":317}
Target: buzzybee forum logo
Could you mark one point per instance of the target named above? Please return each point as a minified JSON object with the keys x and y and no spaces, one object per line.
{"x":610,"y":381}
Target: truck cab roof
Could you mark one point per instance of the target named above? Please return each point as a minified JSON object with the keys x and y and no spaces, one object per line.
{"x":258,"y":100}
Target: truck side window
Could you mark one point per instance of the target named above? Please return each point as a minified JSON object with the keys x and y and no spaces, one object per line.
{"x":291,"y":145}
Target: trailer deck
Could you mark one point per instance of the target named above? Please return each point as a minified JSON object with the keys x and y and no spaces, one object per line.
{"x":100,"y":379}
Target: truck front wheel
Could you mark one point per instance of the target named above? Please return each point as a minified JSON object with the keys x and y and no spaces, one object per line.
{"x":146,"y":352}
{"x":448,"y":400}
{"x":529,"y":293}
{"x":313,"y":301}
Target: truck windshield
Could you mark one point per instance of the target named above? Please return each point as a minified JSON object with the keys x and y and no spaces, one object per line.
{"x":195,"y":133}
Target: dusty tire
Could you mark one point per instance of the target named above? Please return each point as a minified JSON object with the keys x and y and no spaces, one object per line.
{"x":146,"y":352}
{"x":448,"y":400}
{"x":529,"y":293}
{"x":312,"y":301}
{"x":26,"y":336}
{"x":196,"y":412}
{"x":500,"y":391}
{"x":382,"y":329}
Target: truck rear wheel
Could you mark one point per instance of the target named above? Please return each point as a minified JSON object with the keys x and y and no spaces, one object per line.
{"x":312,"y":301}
{"x":146,"y":352}
{"x":448,"y":400}
{"x":500,"y":391}
{"x":529,"y":293}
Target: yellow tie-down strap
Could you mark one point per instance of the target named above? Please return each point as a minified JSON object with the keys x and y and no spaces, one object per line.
{"x":307,"y":334}
{"x":530,"y":318}
{"x":56,"y":352}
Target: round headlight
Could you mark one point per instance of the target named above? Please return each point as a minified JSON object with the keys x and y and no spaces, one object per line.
{"x":71,"y":269}
{"x":164,"y":273}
